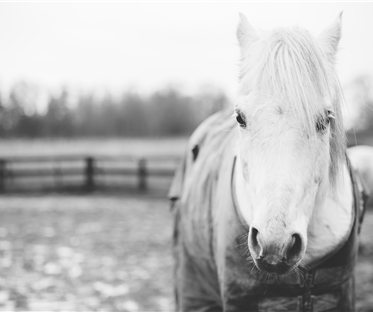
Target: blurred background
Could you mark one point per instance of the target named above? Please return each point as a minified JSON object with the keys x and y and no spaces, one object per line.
{"x":97,"y":101}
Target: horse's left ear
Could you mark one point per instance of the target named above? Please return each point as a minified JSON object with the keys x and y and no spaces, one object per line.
{"x":329,"y":38}
{"x":245,"y":32}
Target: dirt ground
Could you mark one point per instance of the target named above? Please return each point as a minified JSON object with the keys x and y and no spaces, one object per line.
{"x":102,"y":253}
{"x":86,"y":253}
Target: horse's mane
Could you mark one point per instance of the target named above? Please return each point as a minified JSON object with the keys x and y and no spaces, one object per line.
{"x":289,"y":65}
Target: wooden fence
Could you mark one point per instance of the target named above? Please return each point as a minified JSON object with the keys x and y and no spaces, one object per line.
{"x":85,"y":173}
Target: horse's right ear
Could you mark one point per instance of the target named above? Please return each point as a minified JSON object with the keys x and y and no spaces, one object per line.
{"x":330,"y":37}
{"x":245,"y":32}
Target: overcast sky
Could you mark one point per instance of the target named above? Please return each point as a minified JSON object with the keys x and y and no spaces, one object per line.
{"x":113,"y":46}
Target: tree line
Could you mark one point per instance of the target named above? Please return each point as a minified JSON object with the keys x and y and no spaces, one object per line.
{"x":167,"y":112}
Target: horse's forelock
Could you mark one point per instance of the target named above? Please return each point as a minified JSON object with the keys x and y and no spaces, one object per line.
{"x":294,"y":70}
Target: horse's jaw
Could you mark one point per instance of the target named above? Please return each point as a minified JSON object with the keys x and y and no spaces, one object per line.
{"x":331,"y":221}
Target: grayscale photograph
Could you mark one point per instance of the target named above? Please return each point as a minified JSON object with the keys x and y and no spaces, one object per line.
{"x":186,"y":156}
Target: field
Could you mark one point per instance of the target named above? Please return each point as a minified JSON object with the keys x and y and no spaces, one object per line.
{"x":109,"y":147}
{"x":101,"y":253}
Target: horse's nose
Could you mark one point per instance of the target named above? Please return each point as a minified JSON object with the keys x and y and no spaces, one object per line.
{"x":275,"y":253}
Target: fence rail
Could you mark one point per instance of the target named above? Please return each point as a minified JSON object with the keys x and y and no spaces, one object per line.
{"x":86,"y":173}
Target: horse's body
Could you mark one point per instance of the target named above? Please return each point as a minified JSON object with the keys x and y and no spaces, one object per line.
{"x":267,"y":214}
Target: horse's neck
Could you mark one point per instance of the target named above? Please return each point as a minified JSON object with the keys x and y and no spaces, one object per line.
{"x":331,"y":221}
{"x":329,"y":225}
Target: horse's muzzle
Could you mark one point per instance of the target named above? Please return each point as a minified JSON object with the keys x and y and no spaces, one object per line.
{"x":275,"y":255}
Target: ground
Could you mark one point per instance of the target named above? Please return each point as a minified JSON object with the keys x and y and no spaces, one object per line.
{"x":87,"y":253}
{"x":102,"y":253}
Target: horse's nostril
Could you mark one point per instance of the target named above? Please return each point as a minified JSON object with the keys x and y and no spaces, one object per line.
{"x":254,"y":236}
{"x":295,"y":247}
{"x":254,"y":240}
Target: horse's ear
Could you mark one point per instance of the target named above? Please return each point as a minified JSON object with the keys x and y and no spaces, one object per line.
{"x":329,"y":38}
{"x":245,"y":32}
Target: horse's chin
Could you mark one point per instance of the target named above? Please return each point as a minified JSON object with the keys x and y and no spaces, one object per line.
{"x":281,"y":268}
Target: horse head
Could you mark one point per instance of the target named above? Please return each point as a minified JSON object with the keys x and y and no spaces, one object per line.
{"x":291,"y":144}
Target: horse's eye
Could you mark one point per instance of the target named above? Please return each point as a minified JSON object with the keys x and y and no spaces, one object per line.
{"x":323,"y":122}
{"x":240,"y":119}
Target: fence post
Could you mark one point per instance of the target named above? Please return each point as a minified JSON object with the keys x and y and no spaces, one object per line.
{"x":89,"y":174}
{"x":142,"y":173}
{"x":2,"y":175}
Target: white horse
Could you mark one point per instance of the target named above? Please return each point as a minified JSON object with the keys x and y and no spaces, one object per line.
{"x":293,"y":186}
{"x":277,"y":182}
